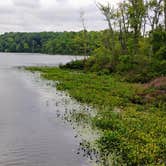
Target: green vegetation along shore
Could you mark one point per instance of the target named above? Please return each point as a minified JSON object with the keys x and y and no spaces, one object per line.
{"x":131,"y":119}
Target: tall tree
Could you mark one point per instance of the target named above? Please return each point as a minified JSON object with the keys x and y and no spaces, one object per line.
{"x":136,"y":9}
{"x":122,"y":16}
{"x":154,"y":13}
{"x":165,"y":14}
{"x":110,"y":14}
{"x":82,"y":16}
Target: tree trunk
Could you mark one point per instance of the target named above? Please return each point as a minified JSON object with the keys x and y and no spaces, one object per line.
{"x":165,"y":14}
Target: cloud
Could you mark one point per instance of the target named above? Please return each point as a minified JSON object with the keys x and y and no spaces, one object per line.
{"x":26,"y":3}
{"x":48,"y":15}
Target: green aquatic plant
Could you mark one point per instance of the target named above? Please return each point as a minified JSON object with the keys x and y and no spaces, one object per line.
{"x":132,"y":130}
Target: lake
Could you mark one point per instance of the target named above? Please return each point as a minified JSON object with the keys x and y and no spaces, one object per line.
{"x":30,"y":132}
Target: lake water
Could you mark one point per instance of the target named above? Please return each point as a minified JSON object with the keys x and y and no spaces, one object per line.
{"x":30,"y":132}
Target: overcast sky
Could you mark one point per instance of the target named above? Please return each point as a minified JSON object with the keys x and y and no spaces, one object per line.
{"x":49,"y":15}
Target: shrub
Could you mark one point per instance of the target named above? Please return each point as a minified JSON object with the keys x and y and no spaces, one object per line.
{"x":77,"y":64}
{"x":125,"y":63}
{"x":100,"y":60}
{"x":158,"y":39}
{"x":144,"y":47}
{"x":161,"y":53}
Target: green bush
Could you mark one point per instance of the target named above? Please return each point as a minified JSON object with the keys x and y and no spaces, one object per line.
{"x":161,"y":53}
{"x":100,"y":60}
{"x":144,"y":47}
{"x":158,"y":39}
{"x":125,"y":63}
{"x":77,"y":64}
{"x":141,"y":68}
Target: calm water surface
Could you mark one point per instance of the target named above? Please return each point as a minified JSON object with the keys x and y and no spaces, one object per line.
{"x":30,"y":132}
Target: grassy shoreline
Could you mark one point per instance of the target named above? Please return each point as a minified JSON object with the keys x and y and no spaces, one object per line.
{"x":133,"y":130}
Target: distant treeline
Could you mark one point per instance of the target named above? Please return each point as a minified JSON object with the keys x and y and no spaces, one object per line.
{"x":72,"y":43}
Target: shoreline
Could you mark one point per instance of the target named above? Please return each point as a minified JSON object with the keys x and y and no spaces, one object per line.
{"x":37,"y":53}
{"x":129,"y":128}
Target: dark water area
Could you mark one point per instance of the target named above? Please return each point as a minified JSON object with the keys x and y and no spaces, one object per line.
{"x":30,"y":132}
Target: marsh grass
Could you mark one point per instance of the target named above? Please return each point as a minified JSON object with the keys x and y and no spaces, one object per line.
{"x":133,"y":132}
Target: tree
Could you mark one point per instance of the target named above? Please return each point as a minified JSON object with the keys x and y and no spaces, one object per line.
{"x":110,"y":14}
{"x":123,"y":21}
{"x":82,"y":16}
{"x":165,"y":14}
{"x":154,"y":13}
{"x":136,"y":9}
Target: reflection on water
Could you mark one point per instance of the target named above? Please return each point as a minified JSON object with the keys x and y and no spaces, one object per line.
{"x":30,"y":132}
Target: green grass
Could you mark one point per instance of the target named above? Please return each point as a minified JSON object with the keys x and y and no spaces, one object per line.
{"x":135,"y":133}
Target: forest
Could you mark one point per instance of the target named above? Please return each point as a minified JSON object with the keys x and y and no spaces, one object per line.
{"x":71,"y":43}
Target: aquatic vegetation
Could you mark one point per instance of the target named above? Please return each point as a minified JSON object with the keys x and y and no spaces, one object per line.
{"x":132,"y":132}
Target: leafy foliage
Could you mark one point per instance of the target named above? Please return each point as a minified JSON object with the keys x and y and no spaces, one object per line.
{"x":49,"y":42}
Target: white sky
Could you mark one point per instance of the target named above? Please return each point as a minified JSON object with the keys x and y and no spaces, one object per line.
{"x":49,"y":15}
